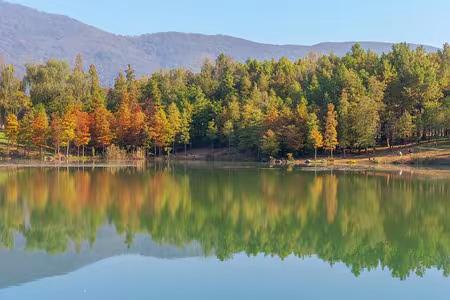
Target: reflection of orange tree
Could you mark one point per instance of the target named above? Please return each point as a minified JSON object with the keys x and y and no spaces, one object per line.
{"x":361,"y":220}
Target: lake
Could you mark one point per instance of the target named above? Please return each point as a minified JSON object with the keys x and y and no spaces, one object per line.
{"x":201,"y":231}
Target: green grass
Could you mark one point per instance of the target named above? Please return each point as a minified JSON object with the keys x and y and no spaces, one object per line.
{"x":3,"y":138}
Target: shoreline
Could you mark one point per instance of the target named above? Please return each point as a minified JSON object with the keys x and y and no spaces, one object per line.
{"x":338,"y":165}
{"x":431,"y":158}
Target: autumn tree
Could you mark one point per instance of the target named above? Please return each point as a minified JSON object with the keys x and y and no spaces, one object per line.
{"x":158,"y":128}
{"x":40,"y":128}
{"x":123,"y":120}
{"x":12,"y":128}
{"x":315,"y":138}
{"x":100,"y":127}
{"x":330,"y":140}
{"x":68,"y":126}
{"x":82,"y":135}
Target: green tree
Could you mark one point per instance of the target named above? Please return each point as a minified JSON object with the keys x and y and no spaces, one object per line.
{"x":212,"y":132}
{"x":228,"y":131}
{"x":12,"y":96}
{"x":269,"y":143}
{"x":26,"y":130}
{"x":175,"y":123}
{"x":186,"y":120}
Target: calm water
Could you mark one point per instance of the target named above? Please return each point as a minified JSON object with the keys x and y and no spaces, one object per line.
{"x":202,"y":232}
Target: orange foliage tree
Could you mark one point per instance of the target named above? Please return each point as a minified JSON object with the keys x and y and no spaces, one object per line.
{"x":100,"y":127}
{"x":82,"y":134}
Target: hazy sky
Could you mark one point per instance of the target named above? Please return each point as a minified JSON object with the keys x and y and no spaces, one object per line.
{"x":276,"y":21}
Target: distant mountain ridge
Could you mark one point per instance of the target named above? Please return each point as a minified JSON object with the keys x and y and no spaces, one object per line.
{"x":28,"y":35}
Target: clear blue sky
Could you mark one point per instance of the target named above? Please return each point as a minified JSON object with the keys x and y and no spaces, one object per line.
{"x":275,"y":21}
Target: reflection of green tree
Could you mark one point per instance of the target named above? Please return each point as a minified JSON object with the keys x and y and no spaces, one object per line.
{"x":361,"y":220}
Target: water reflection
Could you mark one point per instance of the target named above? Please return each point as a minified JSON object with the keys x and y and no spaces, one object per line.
{"x":361,"y":219}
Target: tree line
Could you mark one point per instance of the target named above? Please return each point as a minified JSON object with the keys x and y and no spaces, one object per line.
{"x":263,"y":108}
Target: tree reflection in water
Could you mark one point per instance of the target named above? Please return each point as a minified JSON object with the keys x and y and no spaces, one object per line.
{"x":364,"y":220}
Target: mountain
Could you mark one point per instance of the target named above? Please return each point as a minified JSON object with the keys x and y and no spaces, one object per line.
{"x":28,"y":35}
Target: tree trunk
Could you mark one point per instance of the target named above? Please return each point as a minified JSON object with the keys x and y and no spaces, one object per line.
{"x":315,"y":154}
{"x":185,"y":150}
{"x":67,"y":150}
{"x":82,"y":150}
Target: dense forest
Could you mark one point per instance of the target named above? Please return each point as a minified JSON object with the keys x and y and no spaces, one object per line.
{"x":262,"y":108}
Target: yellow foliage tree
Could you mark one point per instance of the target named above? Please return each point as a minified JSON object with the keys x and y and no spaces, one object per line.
{"x":315,"y":138}
{"x":330,"y":137}
{"x":68,"y":125}
{"x":40,"y":128}
{"x":159,"y":128}
{"x":12,"y":128}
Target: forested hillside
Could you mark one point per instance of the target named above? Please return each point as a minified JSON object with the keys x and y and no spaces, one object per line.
{"x":268,"y":108}
{"x":31,"y":36}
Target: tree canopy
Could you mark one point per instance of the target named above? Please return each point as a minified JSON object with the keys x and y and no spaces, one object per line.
{"x":255,"y":107}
